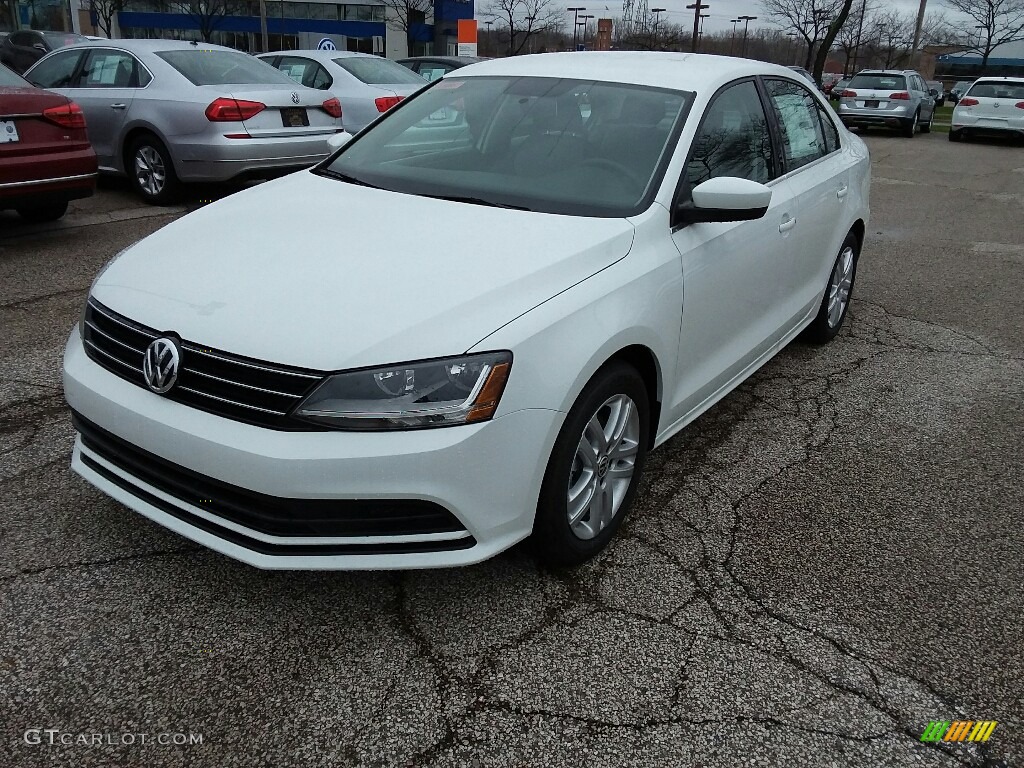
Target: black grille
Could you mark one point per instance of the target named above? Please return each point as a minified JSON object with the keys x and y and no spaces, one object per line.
{"x":270,"y":514}
{"x":228,"y":385}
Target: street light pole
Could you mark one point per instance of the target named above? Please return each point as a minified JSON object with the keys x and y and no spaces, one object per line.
{"x":746,"y":22}
{"x":575,"y":22}
{"x":585,"y":17}
{"x":696,"y":8}
{"x":732,"y":41}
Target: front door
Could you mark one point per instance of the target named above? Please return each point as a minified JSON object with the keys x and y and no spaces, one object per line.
{"x":730,"y":304}
{"x":105,"y":90}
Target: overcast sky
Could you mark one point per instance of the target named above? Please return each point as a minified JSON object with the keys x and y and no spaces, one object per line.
{"x":721,"y":11}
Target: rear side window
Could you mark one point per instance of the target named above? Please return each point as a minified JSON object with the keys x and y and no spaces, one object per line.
{"x":374,"y":70}
{"x":109,"y":69}
{"x":305,"y":71}
{"x":10,"y":80}
{"x":56,"y":71}
{"x":803,"y":140}
{"x":997,"y":90}
{"x":212,"y":67}
{"x":879,"y":82}
{"x":60,"y":39}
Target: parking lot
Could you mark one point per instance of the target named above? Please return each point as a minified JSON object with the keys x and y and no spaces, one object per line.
{"x":817,"y":568}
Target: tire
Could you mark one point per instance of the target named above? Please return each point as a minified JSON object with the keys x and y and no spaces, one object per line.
{"x":46,"y":212}
{"x":830,"y":317}
{"x":927,"y":127}
{"x":910,"y":128}
{"x":612,"y":411}
{"x":151,"y":171}
{"x":956,"y":135}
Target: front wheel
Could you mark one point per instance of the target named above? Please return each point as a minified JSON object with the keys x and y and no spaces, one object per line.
{"x":151,"y":171}
{"x":836,"y":301}
{"x":594,"y":469}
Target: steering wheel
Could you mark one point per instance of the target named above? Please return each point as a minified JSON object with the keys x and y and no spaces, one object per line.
{"x":615,"y":167}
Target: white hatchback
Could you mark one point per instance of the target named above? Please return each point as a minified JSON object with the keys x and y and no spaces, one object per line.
{"x":992,"y":106}
{"x":473,"y":322}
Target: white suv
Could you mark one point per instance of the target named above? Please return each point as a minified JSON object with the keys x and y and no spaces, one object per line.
{"x":992,"y":106}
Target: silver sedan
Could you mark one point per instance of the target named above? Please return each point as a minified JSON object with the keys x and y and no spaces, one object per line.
{"x":165,"y":112}
{"x":366,"y":85}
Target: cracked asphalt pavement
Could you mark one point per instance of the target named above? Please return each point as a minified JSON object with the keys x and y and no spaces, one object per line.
{"x":818,"y":567}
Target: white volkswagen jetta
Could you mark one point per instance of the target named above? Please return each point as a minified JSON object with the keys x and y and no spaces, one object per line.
{"x":472,"y":323}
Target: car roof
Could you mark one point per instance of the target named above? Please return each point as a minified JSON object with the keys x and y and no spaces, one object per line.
{"x":998,"y":79}
{"x":138,"y":45}
{"x":320,"y":54}
{"x":676,"y":71}
{"x":446,"y":59}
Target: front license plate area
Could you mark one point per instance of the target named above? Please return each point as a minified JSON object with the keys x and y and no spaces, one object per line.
{"x":871,"y":104}
{"x":294,"y":117}
{"x":8,"y":132}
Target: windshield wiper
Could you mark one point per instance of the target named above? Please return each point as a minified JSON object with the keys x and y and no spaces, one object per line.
{"x":478,"y":201}
{"x":330,"y":173}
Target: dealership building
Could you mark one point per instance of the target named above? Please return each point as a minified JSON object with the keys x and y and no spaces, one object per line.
{"x":1006,"y":59}
{"x":359,"y":26}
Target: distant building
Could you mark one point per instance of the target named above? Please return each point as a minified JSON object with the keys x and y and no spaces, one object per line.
{"x":1006,"y":59}
{"x":357,"y":26}
{"x":603,"y":40}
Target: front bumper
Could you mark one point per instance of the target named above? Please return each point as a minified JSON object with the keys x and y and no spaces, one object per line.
{"x":486,"y":476}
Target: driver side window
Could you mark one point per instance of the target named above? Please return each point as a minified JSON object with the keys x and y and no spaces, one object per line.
{"x":733,"y":139}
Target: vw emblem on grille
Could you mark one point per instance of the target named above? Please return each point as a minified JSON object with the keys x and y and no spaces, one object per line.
{"x":295,"y":98}
{"x":160,"y":365}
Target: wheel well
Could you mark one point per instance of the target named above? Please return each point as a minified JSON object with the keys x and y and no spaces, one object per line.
{"x":644,"y":362}
{"x":858,"y":232}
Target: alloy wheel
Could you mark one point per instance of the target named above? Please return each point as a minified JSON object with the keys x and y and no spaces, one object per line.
{"x":150,"y":172}
{"x":603,"y":467}
{"x":839,"y":286}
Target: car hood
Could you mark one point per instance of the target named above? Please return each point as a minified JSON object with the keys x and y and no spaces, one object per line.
{"x":318,"y":273}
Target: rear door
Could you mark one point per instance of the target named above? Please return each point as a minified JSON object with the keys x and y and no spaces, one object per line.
{"x":104,"y":90}
{"x":818,"y":175}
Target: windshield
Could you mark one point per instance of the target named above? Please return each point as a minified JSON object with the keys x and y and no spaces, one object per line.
{"x":879,"y":82}
{"x":60,"y":39}
{"x":997,"y":90}
{"x":204,"y":66}
{"x":373,"y":70}
{"x":541,"y":144}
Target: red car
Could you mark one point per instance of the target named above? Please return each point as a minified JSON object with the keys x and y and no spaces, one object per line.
{"x":45,"y":155}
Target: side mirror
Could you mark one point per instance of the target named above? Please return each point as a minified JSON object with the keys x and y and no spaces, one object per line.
{"x":725,"y":198}
{"x":339,"y":140}
{"x":933,"y":92}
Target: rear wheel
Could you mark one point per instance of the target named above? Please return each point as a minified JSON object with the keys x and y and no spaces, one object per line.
{"x":956,"y":135}
{"x":927,"y":127}
{"x":45,"y":212}
{"x":594,"y":469}
{"x":836,"y":301}
{"x":910,"y":127}
{"x":151,"y":170}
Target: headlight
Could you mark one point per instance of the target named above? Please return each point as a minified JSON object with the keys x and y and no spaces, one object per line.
{"x":429,"y":393}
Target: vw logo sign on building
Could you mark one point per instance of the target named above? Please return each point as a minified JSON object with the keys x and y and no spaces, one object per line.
{"x":326,"y":44}
{"x":160,"y":365}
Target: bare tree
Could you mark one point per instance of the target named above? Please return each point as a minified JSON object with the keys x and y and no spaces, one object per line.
{"x":891,"y":33}
{"x":809,"y":19}
{"x":522,"y":20}
{"x":998,"y":22}
{"x":208,"y":14}
{"x":404,"y":16}
{"x":104,"y":12}
{"x":837,"y":22}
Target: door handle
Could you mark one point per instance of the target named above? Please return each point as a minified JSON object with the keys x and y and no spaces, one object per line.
{"x":787,"y":224}
{"x":118,"y":106}
{"x":841,"y":192}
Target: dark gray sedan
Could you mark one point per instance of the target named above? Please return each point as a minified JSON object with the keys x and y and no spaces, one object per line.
{"x":164,"y":111}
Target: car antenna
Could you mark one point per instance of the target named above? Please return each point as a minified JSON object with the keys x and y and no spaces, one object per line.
{"x":196,"y":44}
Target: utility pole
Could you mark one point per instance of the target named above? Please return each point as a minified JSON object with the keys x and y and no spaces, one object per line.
{"x":575,"y":22}
{"x":746,"y":22}
{"x":917,"y":33}
{"x":696,"y":8}
{"x":860,"y":31}
{"x":263,"y":25}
